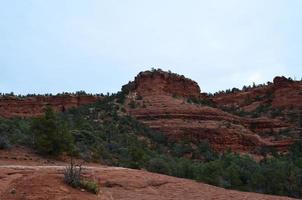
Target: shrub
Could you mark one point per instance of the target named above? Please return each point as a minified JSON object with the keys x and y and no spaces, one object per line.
{"x":4,"y":142}
{"x":120,"y":97}
{"x":139,"y":97}
{"x":205,"y":152}
{"x":296,"y":149}
{"x":276,"y":112}
{"x":90,"y":186}
{"x":51,"y":135}
{"x":132,"y":104}
{"x":200,"y":101}
{"x":158,"y":165}
{"x":73,"y":177}
{"x":72,"y":174}
{"x":181,"y":149}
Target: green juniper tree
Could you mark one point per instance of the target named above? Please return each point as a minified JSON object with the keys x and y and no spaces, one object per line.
{"x":51,"y":135}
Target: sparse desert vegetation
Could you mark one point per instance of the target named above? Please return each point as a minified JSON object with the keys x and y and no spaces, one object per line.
{"x":97,"y":133}
{"x":73,"y":176}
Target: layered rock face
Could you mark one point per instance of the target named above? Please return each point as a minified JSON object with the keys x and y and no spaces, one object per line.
{"x":162,"y":110}
{"x":34,"y":106}
{"x":159,"y":82}
{"x":160,"y":100}
{"x":287,"y":93}
{"x":180,"y":120}
{"x":282,"y":93}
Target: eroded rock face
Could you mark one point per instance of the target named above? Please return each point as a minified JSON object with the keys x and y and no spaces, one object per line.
{"x":281,"y":81}
{"x":34,"y":106}
{"x":282,"y":93}
{"x":171,"y":114}
{"x":180,"y":120}
{"x":159,"y":82}
{"x":163,"y":105}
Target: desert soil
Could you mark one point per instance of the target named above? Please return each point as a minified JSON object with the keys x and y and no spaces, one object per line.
{"x":26,"y":176}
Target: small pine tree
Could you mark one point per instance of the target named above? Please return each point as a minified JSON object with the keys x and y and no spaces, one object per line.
{"x":51,"y":135}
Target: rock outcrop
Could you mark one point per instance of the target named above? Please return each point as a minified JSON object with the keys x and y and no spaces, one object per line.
{"x":282,"y":93}
{"x":163,"y":101}
{"x":158,"y":82}
{"x":281,"y":81}
{"x":23,"y":176}
{"x":34,"y":106}
{"x":162,"y":110}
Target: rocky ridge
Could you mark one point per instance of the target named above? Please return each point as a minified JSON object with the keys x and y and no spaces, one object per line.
{"x":170,"y":111}
{"x":158,"y":82}
{"x":163,"y":101}
{"x":12,"y":106}
{"x":282,"y":93}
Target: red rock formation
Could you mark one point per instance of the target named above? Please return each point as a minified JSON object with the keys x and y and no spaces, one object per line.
{"x":159,"y":82}
{"x":179,"y":120}
{"x":163,"y":105}
{"x":283,"y":93}
{"x":171,"y":114}
{"x":287,"y":93}
{"x":23,"y":176}
{"x":281,"y":81}
{"x":34,"y":106}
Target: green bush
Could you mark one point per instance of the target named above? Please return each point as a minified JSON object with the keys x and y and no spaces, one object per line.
{"x":158,"y":165}
{"x":132,"y":104}
{"x":73,"y":177}
{"x":205,"y":152}
{"x":4,"y":142}
{"x":90,"y":186}
{"x":201,"y":101}
{"x":51,"y":135}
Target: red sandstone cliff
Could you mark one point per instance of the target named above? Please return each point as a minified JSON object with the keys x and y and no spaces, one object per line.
{"x":282,"y":93}
{"x":34,"y":106}
{"x":161,"y":102}
{"x":159,"y":82}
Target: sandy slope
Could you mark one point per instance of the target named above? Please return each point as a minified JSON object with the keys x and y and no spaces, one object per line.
{"x":33,"y":179}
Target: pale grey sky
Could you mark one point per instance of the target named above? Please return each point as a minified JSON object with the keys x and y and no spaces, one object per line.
{"x":97,"y":45}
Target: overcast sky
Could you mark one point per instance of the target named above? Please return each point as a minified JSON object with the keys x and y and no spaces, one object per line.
{"x":99,"y":45}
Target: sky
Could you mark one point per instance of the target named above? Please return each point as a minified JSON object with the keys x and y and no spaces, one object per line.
{"x":52,"y":46}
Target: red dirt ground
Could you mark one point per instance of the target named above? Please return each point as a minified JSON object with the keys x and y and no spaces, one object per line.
{"x":26,"y":176}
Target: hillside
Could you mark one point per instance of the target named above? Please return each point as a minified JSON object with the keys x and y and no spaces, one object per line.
{"x":160,"y":122}
{"x":242,"y":120}
{"x":226,"y":120}
{"x":23,"y":176}
{"x":13,"y":106}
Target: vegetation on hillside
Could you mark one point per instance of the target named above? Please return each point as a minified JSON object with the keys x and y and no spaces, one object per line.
{"x":51,"y":134}
{"x":246,"y":88}
{"x":103,"y":133}
{"x":77,"y":93}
